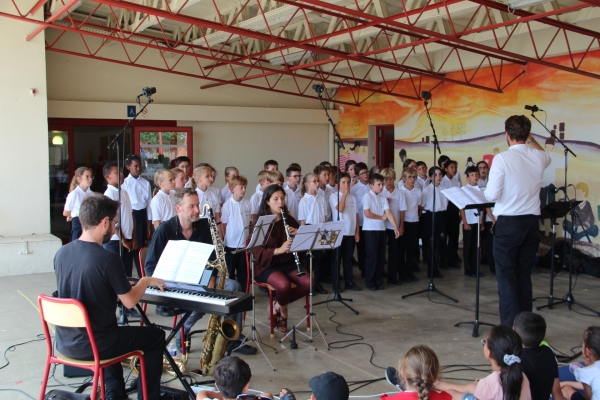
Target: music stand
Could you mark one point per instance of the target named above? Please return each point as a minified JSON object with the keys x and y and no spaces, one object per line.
{"x":480,"y":207}
{"x":260,"y":234}
{"x":309,"y":238}
{"x":554,"y":210}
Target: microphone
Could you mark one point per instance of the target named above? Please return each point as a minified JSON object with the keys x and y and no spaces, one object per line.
{"x":561,"y":189}
{"x":317,"y":87}
{"x":533,"y":108}
{"x":426,"y":95}
{"x":148,"y":91}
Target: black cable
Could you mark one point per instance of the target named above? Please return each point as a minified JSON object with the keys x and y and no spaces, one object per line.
{"x":13,"y":347}
{"x":464,"y":308}
{"x":19,"y":391}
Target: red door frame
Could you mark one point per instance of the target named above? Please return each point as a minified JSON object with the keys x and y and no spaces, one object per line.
{"x":146,"y":127}
{"x":380,"y":143}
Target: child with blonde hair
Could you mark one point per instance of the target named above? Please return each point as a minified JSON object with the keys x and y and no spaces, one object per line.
{"x":78,"y":191}
{"x":162,"y":204}
{"x":226,"y":193}
{"x":201,"y":181}
{"x":236,"y":217}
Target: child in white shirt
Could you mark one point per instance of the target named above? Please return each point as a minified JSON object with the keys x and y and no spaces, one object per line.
{"x":358,"y":190}
{"x":470,"y":218}
{"x":265,"y":178}
{"x":78,"y":191}
{"x":162,"y":204}
{"x":293,"y":192}
{"x":397,"y":205}
{"x":434,"y":209}
{"x":226,"y":193}
{"x":409,"y":241}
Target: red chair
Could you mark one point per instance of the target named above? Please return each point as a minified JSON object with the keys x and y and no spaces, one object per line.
{"x":70,"y":313}
{"x":142,"y":257}
{"x":271,"y":291}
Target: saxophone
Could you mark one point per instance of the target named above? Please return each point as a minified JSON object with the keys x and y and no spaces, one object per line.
{"x":218,"y":332}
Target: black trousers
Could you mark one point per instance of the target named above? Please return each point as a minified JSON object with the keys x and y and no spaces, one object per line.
{"x":470,"y":248}
{"x":76,"y":229}
{"x":515,"y":245}
{"x":141,"y":233}
{"x":393,"y":247}
{"x":437,"y":236}
{"x":360,"y":249}
{"x":318,"y":257}
{"x":236,"y":266}
{"x":452,"y":233}
{"x":126,"y":257}
{"x":408,"y":246}
{"x":375,"y":247}
{"x":345,"y":253}
{"x":487,"y":243}
{"x":148,"y":339}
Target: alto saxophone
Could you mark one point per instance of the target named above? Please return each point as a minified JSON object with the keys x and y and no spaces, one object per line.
{"x":218,"y":332}
{"x":289,"y":237}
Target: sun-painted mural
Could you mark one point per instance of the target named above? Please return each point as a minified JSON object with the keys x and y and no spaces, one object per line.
{"x":470,"y":127}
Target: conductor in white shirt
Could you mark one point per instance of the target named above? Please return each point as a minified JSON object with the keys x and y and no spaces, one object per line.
{"x":514,"y":185}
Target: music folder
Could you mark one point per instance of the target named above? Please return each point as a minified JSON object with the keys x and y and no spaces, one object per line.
{"x":183,"y":261}
{"x":467,"y":199}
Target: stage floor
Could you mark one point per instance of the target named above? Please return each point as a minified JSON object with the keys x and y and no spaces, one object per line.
{"x":387,"y":325}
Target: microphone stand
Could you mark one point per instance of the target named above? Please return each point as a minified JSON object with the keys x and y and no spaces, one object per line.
{"x":436,"y":147}
{"x":339,"y":145}
{"x":115,"y":144}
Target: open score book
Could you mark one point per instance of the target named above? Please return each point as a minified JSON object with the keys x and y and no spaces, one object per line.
{"x":183,"y":261}
{"x":464,"y":198}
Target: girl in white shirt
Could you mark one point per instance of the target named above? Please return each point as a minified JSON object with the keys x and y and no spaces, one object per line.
{"x":162,"y":204}
{"x":226,"y":193}
{"x":180,"y":178}
{"x":201,"y":181}
{"x":429,"y":204}
{"x":313,"y":209}
{"x":78,"y":191}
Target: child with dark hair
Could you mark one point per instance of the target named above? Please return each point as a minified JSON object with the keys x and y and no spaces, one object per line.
{"x":358,"y":190}
{"x":434,"y":213}
{"x":232,"y":378}
{"x":450,"y":255}
{"x":537,"y":359}
{"x":588,"y":377}
{"x":503,"y":349}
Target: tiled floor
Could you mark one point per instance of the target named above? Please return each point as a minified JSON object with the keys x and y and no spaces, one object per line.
{"x":386,"y":327}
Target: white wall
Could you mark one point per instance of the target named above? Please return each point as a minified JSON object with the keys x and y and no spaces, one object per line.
{"x":24,"y":204}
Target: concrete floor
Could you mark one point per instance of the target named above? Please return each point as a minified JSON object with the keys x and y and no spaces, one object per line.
{"x":387,"y":325}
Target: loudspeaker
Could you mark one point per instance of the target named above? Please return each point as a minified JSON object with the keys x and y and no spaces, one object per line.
{"x":74,"y":372}
{"x":591,"y":266}
{"x":578,"y":258}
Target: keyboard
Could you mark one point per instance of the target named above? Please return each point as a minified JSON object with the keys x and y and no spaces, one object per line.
{"x":198,"y":298}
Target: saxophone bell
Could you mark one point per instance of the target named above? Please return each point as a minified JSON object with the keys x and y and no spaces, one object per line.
{"x":289,"y":237}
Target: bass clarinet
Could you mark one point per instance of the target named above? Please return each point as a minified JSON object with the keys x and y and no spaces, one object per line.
{"x":289,"y":237}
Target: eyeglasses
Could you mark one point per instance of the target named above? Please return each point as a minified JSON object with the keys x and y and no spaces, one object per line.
{"x":116,"y":221}
{"x":483,"y":167}
{"x":483,"y":342}
{"x":249,"y":396}
{"x":364,"y":173}
{"x":412,"y":176}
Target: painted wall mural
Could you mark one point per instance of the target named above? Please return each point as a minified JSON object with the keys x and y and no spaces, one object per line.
{"x":470,"y":127}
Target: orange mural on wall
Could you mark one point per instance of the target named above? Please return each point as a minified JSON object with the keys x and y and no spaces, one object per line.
{"x":470,"y":124}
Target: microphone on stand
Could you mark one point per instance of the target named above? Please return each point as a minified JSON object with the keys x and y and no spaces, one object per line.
{"x":561,"y":189}
{"x":148,"y":91}
{"x":317,"y":87}
{"x":426,"y":95}
{"x":533,"y":108}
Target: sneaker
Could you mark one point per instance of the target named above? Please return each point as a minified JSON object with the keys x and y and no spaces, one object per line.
{"x":391,"y":375}
{"x":235,"y":347}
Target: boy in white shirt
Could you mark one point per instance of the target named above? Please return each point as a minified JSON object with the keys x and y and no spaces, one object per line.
{"x":185,"y":164}
{"x":450,"y":258}
{"x":428,"y":204}
{"x":226,"y":193}
{"x":266,"y":178}
{"x":358,"y":190}
{"x":397,"y":205}
{"x":345,"y":203}
{"x":292,"y":190}
{"x":269,"y":165}
{"x":422,"y":179}
{"x":409,"y":241}
{"x":469,"y":219}
{"x":236,"y":217}
{"x":377,"y":211}
{"x":323,"y":172}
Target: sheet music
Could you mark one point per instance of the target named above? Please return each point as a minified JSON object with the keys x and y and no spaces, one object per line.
{"x":261,"y":229}
{"x":462,"y":198}
{"x":329,"y":236}
{"x":183,"y":261}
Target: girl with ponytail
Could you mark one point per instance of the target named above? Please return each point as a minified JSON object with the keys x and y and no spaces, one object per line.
{"x":419,"y":369}
{"x":507,"y":381}
{"x":78,"y":191}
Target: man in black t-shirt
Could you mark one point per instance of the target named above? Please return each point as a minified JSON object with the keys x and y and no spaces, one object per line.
{"x":537,"y":358}
{"x":96,"y":277}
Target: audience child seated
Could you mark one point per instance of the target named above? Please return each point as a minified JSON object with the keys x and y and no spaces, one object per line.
{"x":588,"y":377}
{"x":419,"y":369}
{"x":329,"y":386}
{"x":503,"y":348}
{"x":232,"y":378}
{"x":537,"y":358}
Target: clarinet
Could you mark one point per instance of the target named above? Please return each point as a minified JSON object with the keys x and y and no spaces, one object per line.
{"x":289,"y":237}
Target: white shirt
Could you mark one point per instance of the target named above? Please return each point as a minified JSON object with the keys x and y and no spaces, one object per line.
{"x":348,"y":215}
{"x":226,"y":194}
{"x":140,"y":193}
{"x":590,"y":375}
{"x":515,"y":180}
{"x":162,"y":206}
{"x":397,"y":205}
{"x":236,"y":214}
{"x":257,"y":188}
{"x":255,"y":202}
{"x":314,"y":209}
{"x":441,"y":202}
{"x":74,"y":200}
{"x":470,"y":213}
{"x":126,"y":211}
{"x":411,"y":197}
{"x":377,"y":204}
{"x":448,"y":183}
{"x":358,"y":190}
{"x":327,"y":192}
{"x":292,"y":200}
{"x":423,"y":183}
{"x":209,"y":198}
{"x":482,"y":183}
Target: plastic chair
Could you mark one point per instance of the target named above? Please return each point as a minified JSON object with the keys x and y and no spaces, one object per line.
{"x":71,"y":313}
{"x":271,"y":292}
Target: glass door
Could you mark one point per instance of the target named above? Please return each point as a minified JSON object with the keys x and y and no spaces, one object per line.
{"x":158,"y":147}
{"x":60,"y":165}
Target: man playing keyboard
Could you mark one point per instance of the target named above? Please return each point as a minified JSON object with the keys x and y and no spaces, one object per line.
{"x":187,"y":225}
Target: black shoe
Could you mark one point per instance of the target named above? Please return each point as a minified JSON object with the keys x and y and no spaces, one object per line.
{"x":235,"y":347}
{"x":380,"y":287}
{"x":352,"y":286}
{"x":413,"y":278}
{"x":436,"y":274}
{"x":455,"y":265}
{"x":372,"y":288}
{"x":394,"y":282}
{"x":471,"y":274}
{"x":164,"y":311}
{"x":320,"y":289}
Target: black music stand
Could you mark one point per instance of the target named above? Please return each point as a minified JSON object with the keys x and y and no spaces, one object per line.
{"x":554,"y":210}
{"x":258,"y":238}
{"x":480,"y":212}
